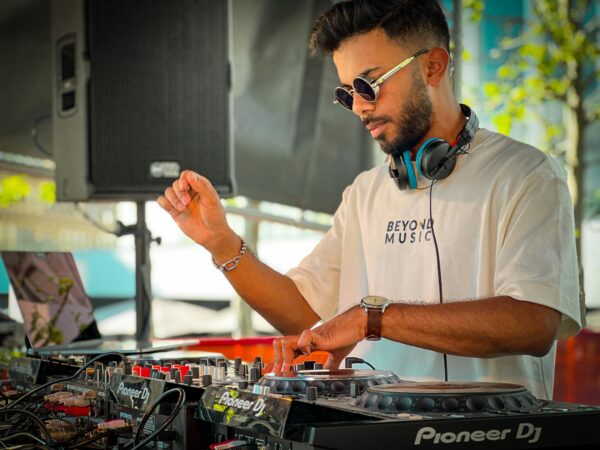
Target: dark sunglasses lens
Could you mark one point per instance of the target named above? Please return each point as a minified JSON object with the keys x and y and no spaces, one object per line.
{"x":364,"y":89}
{"x":343,"y":97}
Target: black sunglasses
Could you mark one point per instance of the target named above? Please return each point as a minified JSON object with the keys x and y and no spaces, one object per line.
{"x":367,"y":87}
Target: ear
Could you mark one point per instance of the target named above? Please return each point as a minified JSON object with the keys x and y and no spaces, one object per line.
{"x":438,"y":64}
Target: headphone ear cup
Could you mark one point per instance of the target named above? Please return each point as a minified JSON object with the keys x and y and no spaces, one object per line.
{"x":434,"y":163}
{"x":402,"y":171}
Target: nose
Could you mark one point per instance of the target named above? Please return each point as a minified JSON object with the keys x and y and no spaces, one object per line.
{"x":360,"y":106}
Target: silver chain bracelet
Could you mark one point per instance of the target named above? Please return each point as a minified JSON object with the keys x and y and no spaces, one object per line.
{"x":228,"y":266}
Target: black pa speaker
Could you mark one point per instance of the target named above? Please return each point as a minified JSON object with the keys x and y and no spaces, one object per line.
{"x":141,"y":91}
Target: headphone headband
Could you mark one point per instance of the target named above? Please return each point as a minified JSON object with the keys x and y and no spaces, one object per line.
{"x":467,"y":134}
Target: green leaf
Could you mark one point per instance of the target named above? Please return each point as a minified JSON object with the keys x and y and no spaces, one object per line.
{"x":48,"y":191}
{"x":507,"y":71}
{"x":13,"y":189}
{"x":476,"y":7}
{"x":491,"y":89}
{"x":55,"y":335}
{"x":64,"y":285}
{"x":503,"y":123}
{"x":534,"y":84}
{"x":531,"y":50}
{"x":519,"y":112}
{"x":518,"y":94}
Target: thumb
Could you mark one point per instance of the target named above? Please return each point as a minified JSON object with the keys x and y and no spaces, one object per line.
{"x":333,"y":361}
{"x":203,"y":187}
{"x":305,"y":342}
{"x":311,"y":340}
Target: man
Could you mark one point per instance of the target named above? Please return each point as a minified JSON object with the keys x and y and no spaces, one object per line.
{"x":479,"y":265}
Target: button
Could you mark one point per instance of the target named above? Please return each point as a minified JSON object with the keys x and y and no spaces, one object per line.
{"x":475,"y":403}
{"x":404,"y":404}
{"x":450,"y":404}
{"x":427,"y":404}
{"x":385,"y":402}
{"x":496,"y":403}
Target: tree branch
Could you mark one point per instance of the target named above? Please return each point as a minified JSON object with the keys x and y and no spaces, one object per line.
{"x":590,"y":80}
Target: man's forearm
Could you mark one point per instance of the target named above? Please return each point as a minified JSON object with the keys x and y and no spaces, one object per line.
{"x":481,"y":328}
{"x":273,"y":295}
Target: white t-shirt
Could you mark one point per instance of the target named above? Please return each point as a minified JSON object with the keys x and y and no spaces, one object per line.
{"x":504,"y":226}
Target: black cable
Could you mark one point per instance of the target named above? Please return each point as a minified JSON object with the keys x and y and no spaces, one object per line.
{"x":170,"y":418}
{"x":89,"y":440}
{"x":439,"y":267}
{"x":18,"y":425}
{"x":30,"y":447}
{"x":36,"y":419}
{"x":34,"y":135}
{"x":349,"y":361}
{"x":72,"y":377}
{"x":23,"y":433}
{"x":178,"y":406}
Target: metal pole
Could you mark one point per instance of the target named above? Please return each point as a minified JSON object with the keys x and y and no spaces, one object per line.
{"x":457,"y":12}
{"x":143,"y":289}
{"x":243,"y":312}
{"x":252,"y":213}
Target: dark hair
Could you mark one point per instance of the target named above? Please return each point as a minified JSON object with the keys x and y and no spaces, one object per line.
{"x":421,"y":22}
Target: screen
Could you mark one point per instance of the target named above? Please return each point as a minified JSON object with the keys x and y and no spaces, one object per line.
{"x":50,"y":295}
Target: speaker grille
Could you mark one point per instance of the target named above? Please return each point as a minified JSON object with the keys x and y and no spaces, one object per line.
{"x":158,"y":91}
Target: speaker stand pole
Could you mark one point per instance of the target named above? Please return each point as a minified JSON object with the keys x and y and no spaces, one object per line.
{"x":143,"y":288}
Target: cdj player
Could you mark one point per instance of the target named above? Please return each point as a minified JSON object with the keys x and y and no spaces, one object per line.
{"x":114,"y":402}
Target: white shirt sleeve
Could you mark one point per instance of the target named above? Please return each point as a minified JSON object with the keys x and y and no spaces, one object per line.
{"x":536,"y":258}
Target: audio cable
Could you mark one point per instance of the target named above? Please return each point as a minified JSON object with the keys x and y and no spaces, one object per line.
{"x":176,"y":409}
{"x":18,"y":411}
{"x":349,"y":361}
{"x":60,"y":380}
{"x":439,"y":266}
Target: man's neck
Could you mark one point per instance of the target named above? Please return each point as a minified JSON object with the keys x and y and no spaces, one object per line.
{"x":446,"y":124}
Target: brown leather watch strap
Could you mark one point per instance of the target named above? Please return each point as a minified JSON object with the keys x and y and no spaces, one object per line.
{"x":374,"y":316}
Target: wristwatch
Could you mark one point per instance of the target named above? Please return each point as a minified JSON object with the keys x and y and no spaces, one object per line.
{"x":374,"y":305}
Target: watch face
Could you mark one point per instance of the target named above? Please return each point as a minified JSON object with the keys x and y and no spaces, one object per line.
{"x":374,"y":301}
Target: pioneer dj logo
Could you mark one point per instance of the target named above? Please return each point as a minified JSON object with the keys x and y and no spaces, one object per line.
{"x":133,"y":393}
{"x":525,"y":432}
{"x":256,"y":407}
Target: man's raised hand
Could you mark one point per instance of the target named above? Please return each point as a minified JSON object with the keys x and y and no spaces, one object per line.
{"x":196,"y":208}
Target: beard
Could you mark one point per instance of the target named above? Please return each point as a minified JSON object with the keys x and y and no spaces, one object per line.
{"x":413,"y":121}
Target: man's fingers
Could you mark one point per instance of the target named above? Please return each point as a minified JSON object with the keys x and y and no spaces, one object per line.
{"x":178,"y":196}
{"x":203,"y":187}
{"x":288,"y":349}
{"x":306,"y":342}
{"x":333,"y":362}
{"x":284,"y":352}
{"x":166,"y":205}
{"x":277,"y":356}
{"x":184,"y":185}
{"x":268,"y":367}
{"x":181,"y":192}
{"x":173,"y":199}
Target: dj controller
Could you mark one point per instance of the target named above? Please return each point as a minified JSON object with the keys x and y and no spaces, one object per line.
{"x":116,"y":402}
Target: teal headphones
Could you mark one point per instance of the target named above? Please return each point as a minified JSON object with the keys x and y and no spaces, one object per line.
{"x":435,"y":159}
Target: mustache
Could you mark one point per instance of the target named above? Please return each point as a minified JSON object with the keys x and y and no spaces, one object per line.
{"x":366,"y":121}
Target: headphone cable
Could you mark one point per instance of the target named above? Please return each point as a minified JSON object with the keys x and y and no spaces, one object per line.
{"x":439,"y":267}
